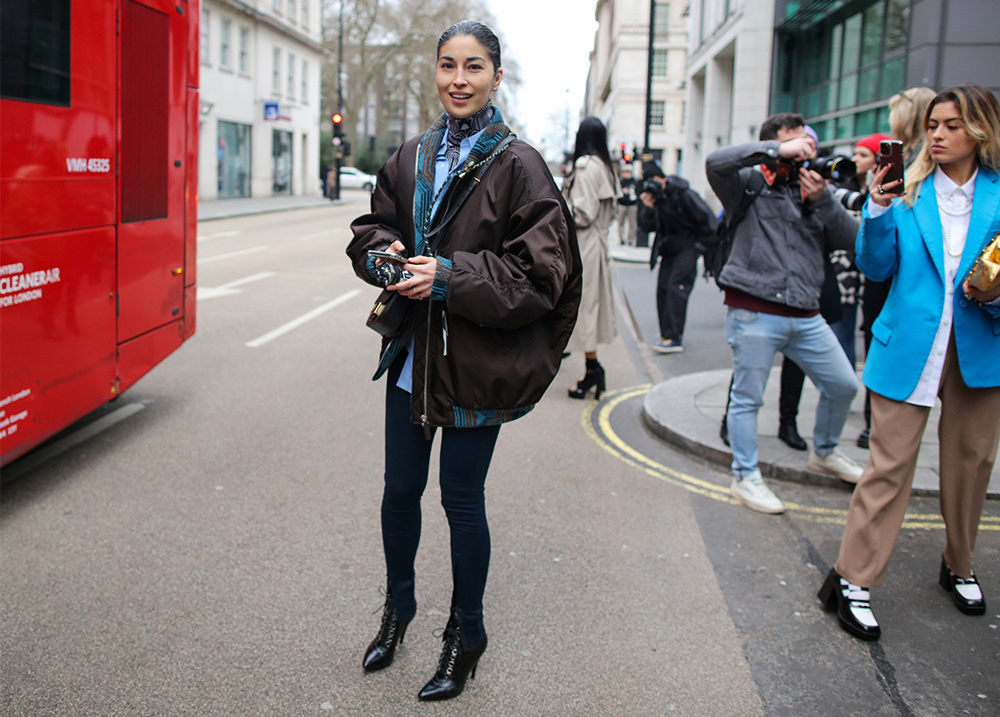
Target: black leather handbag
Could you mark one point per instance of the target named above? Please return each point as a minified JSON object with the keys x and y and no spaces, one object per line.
{"x":389,"y":313}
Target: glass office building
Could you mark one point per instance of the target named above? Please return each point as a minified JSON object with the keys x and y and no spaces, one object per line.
{"x":837,"y":62}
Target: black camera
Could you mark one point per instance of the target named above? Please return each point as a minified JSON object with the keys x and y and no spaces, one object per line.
{"x":653,"y":187}
{"x":834,"y":168}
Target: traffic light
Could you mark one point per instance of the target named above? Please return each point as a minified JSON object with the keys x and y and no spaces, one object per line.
{"x":338,"y":120}
{"x":625,"y":153}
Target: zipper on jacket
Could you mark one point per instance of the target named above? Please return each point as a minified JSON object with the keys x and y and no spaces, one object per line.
{"x":427,"y":369}
{"x":444,"y":331}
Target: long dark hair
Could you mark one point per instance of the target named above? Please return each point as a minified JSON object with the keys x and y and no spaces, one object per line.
{"x":471,"y":28}
{"x":592,"y":138}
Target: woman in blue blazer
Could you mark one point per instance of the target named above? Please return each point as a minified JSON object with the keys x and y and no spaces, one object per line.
{"x":936,"y":337}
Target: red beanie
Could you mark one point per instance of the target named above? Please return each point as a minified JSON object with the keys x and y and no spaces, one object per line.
{"x":872,"y":142}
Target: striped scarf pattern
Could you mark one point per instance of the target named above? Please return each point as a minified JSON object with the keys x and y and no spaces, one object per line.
{"x":430,"y":143}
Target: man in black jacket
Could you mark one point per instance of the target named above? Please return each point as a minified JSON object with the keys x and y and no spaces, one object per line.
{"x":680,"y":219}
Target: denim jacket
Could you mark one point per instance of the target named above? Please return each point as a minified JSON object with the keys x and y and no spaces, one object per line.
{"x":780,"y":248}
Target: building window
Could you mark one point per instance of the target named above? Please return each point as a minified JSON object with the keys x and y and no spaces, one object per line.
{"x":659,"y":63}
{"x":234,"y":164}
{"x":277,"y":6}
{"x":291,"y":75}
{"x":304,"y":94}
{"x":276,"y":72}
{"x":205,"y":47}
{"x":224,"y":43}
{"x":291,"y":10}
{"x":656,"y":112}
{"x":661,"y":17}
{"x":305,"y":14}
{"x":245,"y":50}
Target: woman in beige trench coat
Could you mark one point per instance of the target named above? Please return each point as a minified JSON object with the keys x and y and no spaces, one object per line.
{"x":591,"y":190}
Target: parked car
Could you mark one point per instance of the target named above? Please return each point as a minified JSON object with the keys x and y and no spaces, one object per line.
{"x":354,"y":178}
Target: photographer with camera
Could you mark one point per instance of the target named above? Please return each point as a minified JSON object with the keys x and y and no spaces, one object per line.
{"x":772,"y":284}
{"x":680,"y":219}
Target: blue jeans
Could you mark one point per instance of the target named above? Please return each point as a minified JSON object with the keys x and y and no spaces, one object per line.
{"x":755,"y":338}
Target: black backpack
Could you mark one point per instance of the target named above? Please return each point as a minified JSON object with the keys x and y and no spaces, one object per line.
{"x":716,"y":252}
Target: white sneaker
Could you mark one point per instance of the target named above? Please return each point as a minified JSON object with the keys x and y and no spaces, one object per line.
{"x":755,"y":494}
{"x":837,"y":464}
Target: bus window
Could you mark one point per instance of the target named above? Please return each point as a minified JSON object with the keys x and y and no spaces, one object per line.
{"x":34,"y":51}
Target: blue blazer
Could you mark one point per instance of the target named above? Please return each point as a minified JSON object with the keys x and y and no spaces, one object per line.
{"x":904,"y":244}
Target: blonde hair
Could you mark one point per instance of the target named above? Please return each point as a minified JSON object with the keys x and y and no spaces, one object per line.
{"x":906,"y":118}
{"x":979,"y":113}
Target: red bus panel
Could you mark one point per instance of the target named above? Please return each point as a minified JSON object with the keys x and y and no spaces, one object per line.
{"x":57,"y":333}
{"x":98,"y":174}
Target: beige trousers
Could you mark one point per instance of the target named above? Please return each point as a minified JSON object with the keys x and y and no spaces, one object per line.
{"x":968,"y":433}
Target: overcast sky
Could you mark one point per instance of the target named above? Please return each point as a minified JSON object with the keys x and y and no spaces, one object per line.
{"x":551,"y":41}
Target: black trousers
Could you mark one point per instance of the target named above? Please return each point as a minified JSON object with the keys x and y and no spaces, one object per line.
{"x":465,"y":459}
{"x":673,"y":287}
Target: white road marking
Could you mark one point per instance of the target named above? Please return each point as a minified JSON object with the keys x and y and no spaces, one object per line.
{"x":208,"y":292}
{"x":295,"y":323}
{"x":315,"y":235}
{"x":219,"y":235}
{"x":230,"y":255}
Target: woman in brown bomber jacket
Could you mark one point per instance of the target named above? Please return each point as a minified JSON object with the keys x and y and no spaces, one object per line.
{"x":495,"y":295}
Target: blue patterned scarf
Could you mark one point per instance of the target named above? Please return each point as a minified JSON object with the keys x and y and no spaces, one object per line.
{"x":430,"y":143}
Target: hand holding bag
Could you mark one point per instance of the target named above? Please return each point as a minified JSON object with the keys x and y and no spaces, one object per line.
{"x":985,"y":274}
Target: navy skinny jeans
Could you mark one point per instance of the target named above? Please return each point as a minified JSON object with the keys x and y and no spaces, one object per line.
{"x":465,"y":459}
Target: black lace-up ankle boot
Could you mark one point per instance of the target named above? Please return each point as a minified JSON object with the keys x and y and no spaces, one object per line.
{"x":383,"y":648}
{"x":456,"y":663}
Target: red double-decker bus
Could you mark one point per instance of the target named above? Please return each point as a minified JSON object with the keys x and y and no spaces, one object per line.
{"x":98,"y":177}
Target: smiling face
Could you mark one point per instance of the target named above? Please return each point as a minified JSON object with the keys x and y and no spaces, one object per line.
{"x":951,"y":144}
{"x":465,"y":76}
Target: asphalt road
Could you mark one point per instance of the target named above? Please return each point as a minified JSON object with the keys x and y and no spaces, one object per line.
{"x":216,"y":551}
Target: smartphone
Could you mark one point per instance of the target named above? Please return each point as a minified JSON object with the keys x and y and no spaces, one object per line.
{"x":890,"y":151}
{"x":387,"y":256}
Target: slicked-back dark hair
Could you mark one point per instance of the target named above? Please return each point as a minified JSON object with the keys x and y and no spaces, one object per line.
{"x":782,"y":120}
{"x":471,"y":28}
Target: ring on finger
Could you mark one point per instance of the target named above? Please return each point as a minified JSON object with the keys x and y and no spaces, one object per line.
{"x":880,"y":190}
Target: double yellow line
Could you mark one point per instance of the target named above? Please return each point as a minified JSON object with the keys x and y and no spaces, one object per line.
{"x":606,"y":437}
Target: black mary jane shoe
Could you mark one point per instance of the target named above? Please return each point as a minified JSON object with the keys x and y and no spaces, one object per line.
{"x":789,"y":434}
{"x":965,"y":592}
{"x":852,"y":603}
{"x":382,"y":650}
{"x":456,"y":664}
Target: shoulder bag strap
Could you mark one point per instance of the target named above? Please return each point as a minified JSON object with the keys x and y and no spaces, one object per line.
{"x":478,"y":170}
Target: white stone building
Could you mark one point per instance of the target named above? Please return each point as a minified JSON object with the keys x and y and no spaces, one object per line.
{"x":728,"y":78}
{"x":260,"y":98}
{"x":616,"y":90}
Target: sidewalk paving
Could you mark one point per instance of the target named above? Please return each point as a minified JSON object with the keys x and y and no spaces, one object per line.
{"x":687,"y":412}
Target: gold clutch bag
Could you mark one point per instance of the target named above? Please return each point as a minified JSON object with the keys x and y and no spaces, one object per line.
{"x":985,"y":274}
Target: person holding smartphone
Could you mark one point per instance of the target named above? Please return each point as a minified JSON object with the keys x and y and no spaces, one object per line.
{"x":495,"y":284}
{"x":936,"y":337}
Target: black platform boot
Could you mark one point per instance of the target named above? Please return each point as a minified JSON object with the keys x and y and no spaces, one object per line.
{"x":456,"y":663}
{"x":383,"y":648}
{"x":593,"y":377}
